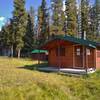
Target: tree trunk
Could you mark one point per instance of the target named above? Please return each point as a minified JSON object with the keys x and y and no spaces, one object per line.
{"x":18,"y":53}
{"x":12,"y":51}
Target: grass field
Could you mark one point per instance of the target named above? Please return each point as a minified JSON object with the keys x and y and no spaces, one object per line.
{"x":20,"y":81}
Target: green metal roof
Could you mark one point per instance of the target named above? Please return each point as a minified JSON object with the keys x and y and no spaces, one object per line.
{"x":36,"y":51}
{"x":77,"y":40}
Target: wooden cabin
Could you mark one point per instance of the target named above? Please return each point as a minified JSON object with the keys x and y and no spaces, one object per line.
{"x":41,"y":55}
{"x":73,"y":53}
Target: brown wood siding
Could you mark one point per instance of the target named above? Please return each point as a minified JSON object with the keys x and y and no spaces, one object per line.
{"x":41,"y":57}
{"x":90,"y":59}
{"x":68,"y":61}
{"x":62,"y":61}
{"x":98,"y":59}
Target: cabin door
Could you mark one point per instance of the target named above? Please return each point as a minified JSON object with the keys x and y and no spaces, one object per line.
{"x":78,"y":57}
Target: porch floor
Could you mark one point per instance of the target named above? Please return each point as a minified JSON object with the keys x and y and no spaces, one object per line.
{"x":67,"y":70}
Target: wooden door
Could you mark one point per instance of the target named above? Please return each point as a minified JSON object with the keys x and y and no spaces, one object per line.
{"x":78,"y":57}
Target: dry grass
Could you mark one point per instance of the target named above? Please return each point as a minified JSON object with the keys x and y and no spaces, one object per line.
{"x":18,"y":82}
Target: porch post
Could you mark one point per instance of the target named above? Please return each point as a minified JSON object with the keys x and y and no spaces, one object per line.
{"x":95,"y":58}
{"x":83,"y":57}
{"x":73,"y":56}
{"x":86,"y":61}
{"x":59,"y":56}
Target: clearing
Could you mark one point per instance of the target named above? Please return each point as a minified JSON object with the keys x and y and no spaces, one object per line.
{"x":20,"y":81}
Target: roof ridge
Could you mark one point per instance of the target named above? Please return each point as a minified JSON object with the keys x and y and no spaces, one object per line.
{"x":77,"y":40}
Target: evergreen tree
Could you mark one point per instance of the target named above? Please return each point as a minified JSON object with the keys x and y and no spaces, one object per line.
{"x":4,"y":38}
{"x":29,"y":36}
{"x":79,"y":21}
{"x":45,"y":29}
{"x":84,"y":17}
{"x":7,"y":36}
{"x":58,"y":17}
{"x":43,"y":23}
{"x":98,"y":17}
{"x":71,"y":13}
{"x":11,"y":37}
{"x":92,"y":24}
{"x":95,"y":22}
{"x":20,"y":21}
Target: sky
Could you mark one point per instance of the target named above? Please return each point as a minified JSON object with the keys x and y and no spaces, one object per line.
{"x":6,"y":8}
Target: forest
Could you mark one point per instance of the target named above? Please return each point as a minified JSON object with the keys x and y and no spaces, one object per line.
{"x":28,"y":30}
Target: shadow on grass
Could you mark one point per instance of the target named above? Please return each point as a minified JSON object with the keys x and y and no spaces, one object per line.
{"x":35,"y":67}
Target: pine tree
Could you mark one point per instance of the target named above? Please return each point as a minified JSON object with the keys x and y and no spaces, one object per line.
{"x":95,"y":21}
{"x":20,"y":21}
{"x":92,"y":24}
{"x":98,"y":16}
{"x":7,"y":36}
{"x":11,"y":37}
{"x":4,"y":38}
{"x":58,"y":17}
{"x":84,"y":17}
{"x":79,"y":20}
{"x":29,"y":36}
{"x":43,"y":23}
{"x":71,"y":14}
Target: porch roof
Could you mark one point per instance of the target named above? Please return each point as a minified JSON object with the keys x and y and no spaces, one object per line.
{"x":37,"y":51}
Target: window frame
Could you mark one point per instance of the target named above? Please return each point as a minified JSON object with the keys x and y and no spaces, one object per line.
{"x":78,"y":51}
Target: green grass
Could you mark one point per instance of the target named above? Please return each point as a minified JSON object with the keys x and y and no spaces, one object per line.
{"x":19,"y":80}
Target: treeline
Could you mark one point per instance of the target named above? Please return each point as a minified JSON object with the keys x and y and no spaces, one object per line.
{"x":27,"y":30}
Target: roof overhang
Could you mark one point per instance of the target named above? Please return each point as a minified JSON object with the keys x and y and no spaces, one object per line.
{"x":73,"y":40}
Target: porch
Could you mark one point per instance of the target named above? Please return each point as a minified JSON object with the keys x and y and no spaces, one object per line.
{"x":68,"y":70}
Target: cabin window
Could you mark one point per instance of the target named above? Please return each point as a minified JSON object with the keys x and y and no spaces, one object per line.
{"x":60,"y":51}
{"x":88,"y":52}
{"x":78,"y":51}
